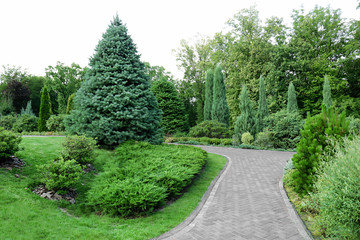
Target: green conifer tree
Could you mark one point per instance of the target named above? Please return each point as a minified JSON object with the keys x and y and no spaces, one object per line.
{"x":70,"y":103}
{"x":262,"y":111}
{"x":45,"y":109}
{"x":115,"y":103}
{"x":220,"y":108}
{"x":327,"y":93}
{"x":174,"y":117}
{"x":246,"y":121}
{"x":292,"y":105}
{"x":208,"y":94}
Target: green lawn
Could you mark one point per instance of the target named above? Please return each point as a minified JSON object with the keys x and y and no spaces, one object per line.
{"x":24,"y":215}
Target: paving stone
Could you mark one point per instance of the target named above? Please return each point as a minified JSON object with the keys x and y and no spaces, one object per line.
{"x":247,"y":203}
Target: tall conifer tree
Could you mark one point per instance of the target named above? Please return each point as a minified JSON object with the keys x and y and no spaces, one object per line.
{"x":262,"y":111}
{"x":292,"y":101}
{"x":220,"y":108}
{"x":174,"y":116}
{"x":246,"y":121}
{"x":208,"y":94}
{"x":115,"y":103}
{"x":45,"y":109}
{"x":327,"y":101}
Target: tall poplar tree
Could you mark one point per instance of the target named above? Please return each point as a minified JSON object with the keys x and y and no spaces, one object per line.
{"x":327,"y":93}
{"x":208,"y":94}
{"x":220,"y":108}
{"x":292,"y":105}
{"x":45,"y":109}
{"x":262,"y":111}
{"x":246,"y":121}
{"x":115,"y":103}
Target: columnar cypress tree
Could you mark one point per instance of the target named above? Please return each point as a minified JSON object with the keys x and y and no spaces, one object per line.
{"x":70,"y":103}
{"x":220,"y":108}
{"x":246,"y":121}
{"x":292,"y":102}
{"x":208,"y":94}
{"x":174,"y":117}
{"x":115,"y":102}
{"x":327,"y":93}
{"x":45,"y":109}
{"x":262,"y":111}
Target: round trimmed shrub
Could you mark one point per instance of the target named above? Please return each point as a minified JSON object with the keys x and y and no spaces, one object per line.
{"x":26,"y":123}
{"x":9,"y":143}
{"x":338,"y":193}
{"x":61,"y":174}
{"x":211,"y":129}
{"x":247,"y":138}
{"x":56,"y":123}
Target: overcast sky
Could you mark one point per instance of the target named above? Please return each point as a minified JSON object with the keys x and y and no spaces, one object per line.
{"x":36,"y":34}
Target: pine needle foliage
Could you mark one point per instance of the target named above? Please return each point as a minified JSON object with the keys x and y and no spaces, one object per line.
{"x":327,"y":101}
{"x":314,"y":143}
{"x":115,"y":103}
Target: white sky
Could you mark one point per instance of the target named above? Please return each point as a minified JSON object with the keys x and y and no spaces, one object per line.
{"x":38,"y":33}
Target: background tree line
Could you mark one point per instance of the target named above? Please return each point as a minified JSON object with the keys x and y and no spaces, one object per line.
{"x":319,"y":43}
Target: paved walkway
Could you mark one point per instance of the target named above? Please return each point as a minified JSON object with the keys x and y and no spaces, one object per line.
{"x":245,"y":203}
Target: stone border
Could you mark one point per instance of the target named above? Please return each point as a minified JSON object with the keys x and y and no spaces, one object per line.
{"x":304,"y":232}
{"x":206,"y":200}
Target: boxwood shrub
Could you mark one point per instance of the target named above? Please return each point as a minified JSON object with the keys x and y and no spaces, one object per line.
{"x":141,"y":177}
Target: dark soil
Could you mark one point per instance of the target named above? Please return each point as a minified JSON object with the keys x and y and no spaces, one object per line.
{"x":11,"y":162}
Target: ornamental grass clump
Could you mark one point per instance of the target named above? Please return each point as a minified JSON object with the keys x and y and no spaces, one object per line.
{"x":338,"y":192}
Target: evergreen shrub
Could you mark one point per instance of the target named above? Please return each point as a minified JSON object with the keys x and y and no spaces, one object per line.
{"x":79,"y":148}
{"x":338,"y":193}
{"x":26,"y":123}
{"x":210,"y":129}
{"x":314,"y":143}
{"x":7,"y":122}
{"x":247,"y":138}
{"x":9,"y":143}
{"x":285,"y":128}
{"x":142,"y":177}
{"x":264,"y":139}
{"x":60,"y":174}
{"x":55,"y":123}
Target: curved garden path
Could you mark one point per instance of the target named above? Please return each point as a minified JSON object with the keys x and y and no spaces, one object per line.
{"x":246,"y":202}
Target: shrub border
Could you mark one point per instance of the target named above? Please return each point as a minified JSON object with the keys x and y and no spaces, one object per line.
{"x":207,"y":198}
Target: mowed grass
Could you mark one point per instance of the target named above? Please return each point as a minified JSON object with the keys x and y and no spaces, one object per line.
{"x":24,"y":215}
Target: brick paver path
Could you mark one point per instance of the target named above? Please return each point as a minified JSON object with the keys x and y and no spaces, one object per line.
{"x":247,"y":203}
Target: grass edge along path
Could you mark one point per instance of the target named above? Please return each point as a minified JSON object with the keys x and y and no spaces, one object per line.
{"x":25,"y":215}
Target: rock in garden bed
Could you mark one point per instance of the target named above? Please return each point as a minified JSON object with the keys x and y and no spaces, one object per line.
{"x":43,"y":192}
{"x":11,"y":162}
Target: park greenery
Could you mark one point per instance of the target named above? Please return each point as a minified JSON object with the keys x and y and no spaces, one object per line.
{"x":261,"y":85}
